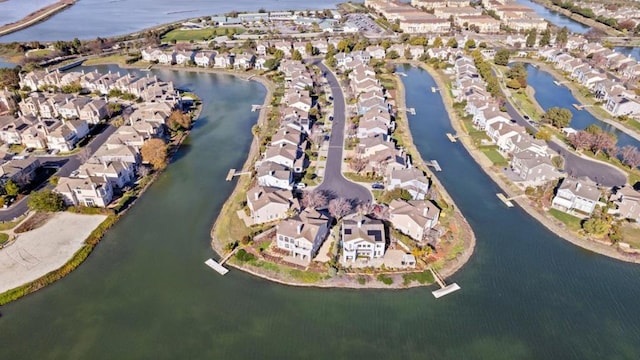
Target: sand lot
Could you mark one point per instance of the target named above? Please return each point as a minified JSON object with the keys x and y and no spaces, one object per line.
{"x":37,"y":252}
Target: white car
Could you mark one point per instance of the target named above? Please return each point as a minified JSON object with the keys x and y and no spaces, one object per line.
{"x":299,"y":186}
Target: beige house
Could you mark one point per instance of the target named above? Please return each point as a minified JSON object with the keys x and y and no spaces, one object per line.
{"x":362,"y":236}
{"x":414,"y":218}
{"x":627,"y":203}
{"x":268,"y":204}
{"x":92,"y":191}
{"x":20,"y":171}
{"x":303,"y":234}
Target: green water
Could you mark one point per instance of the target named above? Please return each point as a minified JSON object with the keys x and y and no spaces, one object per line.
{"x":146,"y":294}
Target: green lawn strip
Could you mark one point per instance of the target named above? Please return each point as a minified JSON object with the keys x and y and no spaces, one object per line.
{"x":199,"y":34}
{"x":495,"y":156}
{"x":572,"y":222}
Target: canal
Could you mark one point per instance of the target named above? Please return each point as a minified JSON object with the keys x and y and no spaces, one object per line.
{"x":145,"y":292}
{"x":556,"y":18}
{"x":549,"y":95}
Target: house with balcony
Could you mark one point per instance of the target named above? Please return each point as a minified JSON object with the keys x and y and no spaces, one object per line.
{"x":268,"y":204}
{"x":362,"y":237}
{"x":93,"y":191}
{"x":575,"y":196}
{"x":303,"y":234}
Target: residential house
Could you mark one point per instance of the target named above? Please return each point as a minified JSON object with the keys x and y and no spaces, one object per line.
{"x":65,"y":137}
{"x":622,"y":105}
{"x":268,"y":204}
{"x":627,"y":203}
{"x":20,"y":171}
{"x":362,"y":236}
{"x":185,"y":57}
{"x":303,"y":234}
{"x":413,"y":180}
{"x":413,"y":218}
{"x":204,"y":58}
{"x":533,"y":169}
{"x":270,"y":174}
{"x":94,"y":111}
{"x":575,"y":195}
{"x":118,"y":173}
{"x":93,"y":191}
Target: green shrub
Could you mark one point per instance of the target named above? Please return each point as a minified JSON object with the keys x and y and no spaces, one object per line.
{"x":243,"y":256}
{"x":385,"y":279}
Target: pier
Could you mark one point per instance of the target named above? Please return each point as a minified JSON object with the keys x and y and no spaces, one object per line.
{"x":434,"y":89}
{"x":411,"y":111}
{"x":217,"y":266}
{"x":507,"y":201}
{"x":234,"y":172}
{"x":444,"y":288}
{"x":558,"y":83}
{"x":435,"y":165}
{"x":255,"y":108}
{"x":452,"y":138}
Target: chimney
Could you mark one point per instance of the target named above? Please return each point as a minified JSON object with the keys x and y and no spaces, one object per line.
{"x":360,"y":221}
{"x":299,"y":228}
{"x":425,"y":210}
{"x":256,"y":195}
{"x":578,"y":186}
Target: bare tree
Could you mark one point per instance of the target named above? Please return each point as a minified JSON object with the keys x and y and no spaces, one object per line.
{"x":340,"y":207}
{"x":603,"y":141}
{"x":630,"y":156}
{"x":143,"y":171}
{"x":314,"y":199}
{"x":357,"y":164}
{"x":581,"y":140}
{"x":84,"y":155}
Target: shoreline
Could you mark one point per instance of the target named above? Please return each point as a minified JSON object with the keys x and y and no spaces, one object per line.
{"x":552,"y":225}
{"x":349,"y":281}
{"x":578,"y":18}
{"x":36,"y":17}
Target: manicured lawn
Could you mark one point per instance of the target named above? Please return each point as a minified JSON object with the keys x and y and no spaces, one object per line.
{"x":571,"y":221}
{"x":3,"y":238}
{"x":495,"y":157}
{"x":113,"y":59}
{"x":525,"y":104}
{"x":198,"y":35}
{"x":6,"y":225}
{"x":39,"y":52}
{"x":631,"y":235}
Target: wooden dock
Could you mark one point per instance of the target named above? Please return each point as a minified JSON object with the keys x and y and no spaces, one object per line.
{"x":451,"y":137}
{"x":434,"y":89}
{"x":255,"y":108}
{"x":217,"y":266}
{"x":435,"y":165}
{"x":444,"y":288}
{"x":230,"y":174}
{"x":578,"y":107}
{"x":504,"y":199}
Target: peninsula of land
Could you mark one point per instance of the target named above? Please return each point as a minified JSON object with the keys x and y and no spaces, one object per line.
{"x":36,"y":16}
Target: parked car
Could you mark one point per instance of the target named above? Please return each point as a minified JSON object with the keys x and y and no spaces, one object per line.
{"x":299,"y":186}
{"x":377,"y":186}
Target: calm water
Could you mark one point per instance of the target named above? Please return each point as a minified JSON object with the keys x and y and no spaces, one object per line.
{"x":14,"y":10}
{"x":93,"y":18}
{"x":556,"y":18}
{"x":5,"y":64}
{"x":145,"y":293}
{"x":549,"y":95}
{"x":633,"y":51}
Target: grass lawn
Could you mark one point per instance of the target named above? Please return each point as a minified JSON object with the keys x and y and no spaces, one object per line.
{"x":495,"y":157}
{"x":631,"y":235}
{"x":571,"y":221}
{"x":526,"y":105}
{"x":113,"y":59}
{"x":3,"y":238}
{"x":197,"y":35}
{"x":361,"y":178}
{"x":6,"y":225}
{"x":40,"y":52}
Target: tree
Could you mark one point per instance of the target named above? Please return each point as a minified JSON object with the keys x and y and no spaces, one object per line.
{"x":452,"y":43}
{"x":545,"y":38}
{"x":513,"y":84}
{"x":314,"y":199}
{"x":9,"y":78}
{"x":340,"y":207}
{"x":518,"y":73}
{"x":603,"y":142}
{"x":562,"y":37}
{"x":393,"y":55}
{"x":295,"y":55}
{"x":308,"y":48}
{"x":437,"y":42}
{"x":544,"y":134}
{"x":113,"y":109}
{"x":630,"y":156}
{"x":154,"y":151}
{"x":596,"y":226}
{"x":580,"y":140}
{"x":593,"y":129}
{"x":358,"y":164}
{"x":469,"y":44}
{"x":558,"y":117}
{"x":11,"y":188}
{"x":531,"y":38}
{"x":271,"y":64}
{"x":46,"y":200}
{"x":179,"y":120}
{"x":502,"y":57}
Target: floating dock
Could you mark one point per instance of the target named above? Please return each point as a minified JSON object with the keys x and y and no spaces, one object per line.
{"x":230,"y":175}
{"x":578,"y":107}
{"x":217,"y":267}
{"x":504,"y":199}
{"x":411,"y":111}
{"x":255,"y":108}
{"x":444,"y":288}
{"x":434,"y":89}
{"x":451,"y":137}
{"x":436,"y":165}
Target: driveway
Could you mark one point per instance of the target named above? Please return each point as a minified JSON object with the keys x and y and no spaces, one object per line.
{"x":333,"y":181}
{"x":68,"y":165}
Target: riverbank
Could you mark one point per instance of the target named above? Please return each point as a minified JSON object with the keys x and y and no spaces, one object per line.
{"x":36,"y":17}
{"x":575,"y":91}
{"x":579,"y":18}
{"x":510,"y":190}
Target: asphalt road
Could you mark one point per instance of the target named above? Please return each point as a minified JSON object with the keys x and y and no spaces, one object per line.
{"x":575,"y":165}
{"x":67,"y":165}
{"x":333,"y":181}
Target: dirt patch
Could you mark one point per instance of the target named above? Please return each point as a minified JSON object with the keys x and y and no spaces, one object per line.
{"x":34,"y":222}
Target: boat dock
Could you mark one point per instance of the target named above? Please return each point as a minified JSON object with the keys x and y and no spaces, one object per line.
{"x":234,"y":172}
{"x":434,"y":89}
{"x":558,"y":83}
{"x":452,"y":138}
{"x":435,"y":165}
{"x":255,"y":108}
{"x":444,"y":288}
{"x":506,"y":200}
{"x":217,"y":266}
{"x":578,"y":107}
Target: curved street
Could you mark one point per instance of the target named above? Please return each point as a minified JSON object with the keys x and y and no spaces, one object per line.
{"x":333,"y":181}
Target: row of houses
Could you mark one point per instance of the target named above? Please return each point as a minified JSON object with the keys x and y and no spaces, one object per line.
{"x":203,"y":58}
{"x":590,"y":72}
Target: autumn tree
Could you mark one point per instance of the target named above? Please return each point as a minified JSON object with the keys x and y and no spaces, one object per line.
{"x":452,"y":43}
{"x":558,"y":117}
{"x":544,"y":134}
{"x":596,"y":226}
{"x":314,"y":199}
{"x":179,"y":120}
{"x":630,"y":156}
{"x":581,"y":140}
{"x":437,"y":42}
{"x":154,"y":151}
{"x":11,"y":188}
{"x":340,"y":207}
{"x":470,"y":44}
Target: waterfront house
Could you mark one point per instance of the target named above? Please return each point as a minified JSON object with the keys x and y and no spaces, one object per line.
{"x":268,"y":204}
{"x":223,"y":61}
{"x":244,"y":61}
{"x":413,"y":218}
{"x":376,"y":52}
{"x":362,"y":237}
{"x":533,"y":169}
{"x":151,"y":54}
{"x":303,"y":234}
{"x":204,"y":58}
{"x":505,"y":134}
{"x":118,"y":173}
{"x":622,"y":105}
{"x":108,"y":153}
{"x":283,"y":154}
{"x":167,"y":57}
{"x":371,"y":128}
{"x":93,"y":191}
{"x":287,"y":135}
{"x":185,"y":57}
{"x":626,"y":201}
{"x":270,"y":174}
{"x":412,"y":180}
{"x":576,"y":196}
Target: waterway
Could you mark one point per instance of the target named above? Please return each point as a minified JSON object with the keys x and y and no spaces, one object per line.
{"x":634,"y":52}
{"x":549,"y":95}
{"x":556,"y":18}
{"x":145,"y":292}
{"x":6,"y":64}
{"x":14,"y":10}
{"x":88,"y":19}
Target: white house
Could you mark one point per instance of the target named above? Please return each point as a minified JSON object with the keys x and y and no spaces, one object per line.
{"x":576,"y":195}
{"x":93,"y":191}
{"x":303,"y":234}
{"x":362,"y":236}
